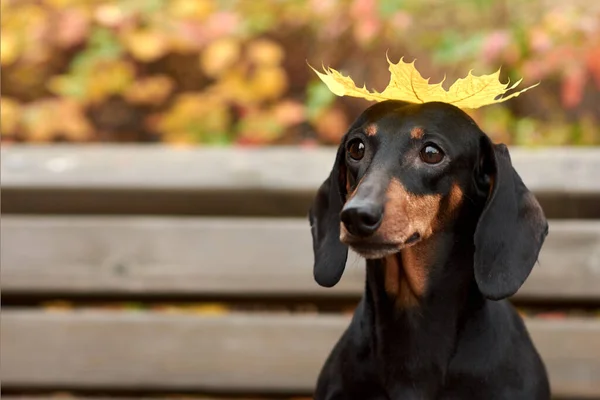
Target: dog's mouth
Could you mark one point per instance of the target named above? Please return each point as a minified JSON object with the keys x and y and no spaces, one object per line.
{"x":372,"y":248}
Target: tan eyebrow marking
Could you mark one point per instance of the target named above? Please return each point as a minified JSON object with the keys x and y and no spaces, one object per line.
{"x":371,"y":130}
{"x":417,"y":133}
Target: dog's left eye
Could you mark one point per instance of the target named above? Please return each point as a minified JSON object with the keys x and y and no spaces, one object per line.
{"x":356,"y":149}
{"x":431,"y":154}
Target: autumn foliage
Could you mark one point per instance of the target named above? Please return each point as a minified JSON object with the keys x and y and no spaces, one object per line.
{"x":235,"y":72}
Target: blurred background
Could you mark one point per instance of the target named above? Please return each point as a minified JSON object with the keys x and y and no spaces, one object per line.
{"x":210,"y":72}
{"x":159,"y":157}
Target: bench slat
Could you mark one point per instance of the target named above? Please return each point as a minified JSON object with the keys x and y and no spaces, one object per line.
{"x":572,"y":170}
{"x":222,"y":257}
{"x":233,"y":353}
{"x":275,"y":181}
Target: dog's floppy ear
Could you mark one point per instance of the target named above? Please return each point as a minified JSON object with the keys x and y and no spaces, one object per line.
{"x":324,"y":215}
{"x":511,"y":229}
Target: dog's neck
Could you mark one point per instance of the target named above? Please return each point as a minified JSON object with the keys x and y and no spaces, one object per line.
{"x":406,"y":290}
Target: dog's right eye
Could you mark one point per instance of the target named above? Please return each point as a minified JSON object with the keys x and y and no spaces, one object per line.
{"x":356,"y":149}
{"x":431,"y":154}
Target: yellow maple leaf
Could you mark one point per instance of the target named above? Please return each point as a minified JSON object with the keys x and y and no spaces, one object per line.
{"x":407,"y":84}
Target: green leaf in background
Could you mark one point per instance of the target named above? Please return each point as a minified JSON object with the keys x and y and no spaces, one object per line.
{"x":318,"y":98}
{"x":454,"y":47}
{"x":102,"y":45}
{"x":479,"y":4}
{"x":526,"y":133}
{"x":144,"y":7}
{"x":387,"y":7}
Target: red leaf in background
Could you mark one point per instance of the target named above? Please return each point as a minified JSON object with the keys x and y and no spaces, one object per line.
{"x":367,"y":23}
{"x":593,"y":64}
{"x":247,"y":142}
{"x":401,"y":20}
{"x":335,"y":27}
{"x":539,"y":40}
{"x":71,"y":28}
{"x":331,"y":125}
{"x":322,"y":7}
{"x":192,"y":35}
{"x":189,"y":36}
{"x":535,"y":69}
{"x":494,"y":45}
{"x":572,"y":87}
{"x":363,"y":8}
{"x":551,"y":315}
{"x":289,"y":112}
{"x":366,"y":29}
{"x":221,"y":24}
{"x":309,"y":143}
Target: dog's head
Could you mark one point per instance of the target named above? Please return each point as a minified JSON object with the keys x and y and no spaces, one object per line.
{"x":405,"y":173}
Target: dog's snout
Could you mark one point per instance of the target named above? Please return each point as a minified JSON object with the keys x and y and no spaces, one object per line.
{"x":362,"y":218}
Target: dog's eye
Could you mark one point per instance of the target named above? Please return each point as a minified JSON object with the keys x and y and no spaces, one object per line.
{"x":356,"y":149}
{"x":431,"y":154}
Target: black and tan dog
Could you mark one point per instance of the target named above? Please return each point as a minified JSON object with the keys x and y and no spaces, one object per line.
{"x":449,"y":231}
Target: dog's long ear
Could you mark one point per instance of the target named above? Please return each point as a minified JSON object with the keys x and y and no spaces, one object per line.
{"x":511,"y":229}
{"x":324,"y":215}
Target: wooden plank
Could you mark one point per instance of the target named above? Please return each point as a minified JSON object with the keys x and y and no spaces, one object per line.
{"x":161,"y":255}
{"x":224,"y":257}
{"x":121,"y":179}
{"x":245,"y":353}
{"x":273,"y":168}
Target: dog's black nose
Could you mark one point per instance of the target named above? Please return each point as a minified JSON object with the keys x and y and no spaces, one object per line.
{"x":362,"y":218}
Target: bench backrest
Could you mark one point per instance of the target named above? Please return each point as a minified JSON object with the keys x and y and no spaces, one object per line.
{"x":190,"y":270}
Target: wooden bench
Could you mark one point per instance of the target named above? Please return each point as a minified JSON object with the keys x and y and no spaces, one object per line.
{"x":135,"y":271}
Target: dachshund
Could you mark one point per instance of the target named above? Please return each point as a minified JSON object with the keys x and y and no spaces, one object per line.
{"x":449,"y":231}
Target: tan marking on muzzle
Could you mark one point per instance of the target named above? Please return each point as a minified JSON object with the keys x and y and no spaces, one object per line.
{"x":371,"y":130}
{"x":406,"y":213}
{"x":407,"y":272}
{"x":417,"y":133}
{"x":455,"y":198}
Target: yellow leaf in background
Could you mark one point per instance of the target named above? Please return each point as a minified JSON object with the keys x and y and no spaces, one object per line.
{"x":63,"y":3}
{"x":58,"y":305}
{"x":200,"y":309}
{"x":46,"y":119}
{"x":265,"y":52}
{"x":146,"y":45}
{"x":233,"y":86}
{"x":152,"y":90}
{"x":407,"y":84}
{"x":269,"y":83}
{"x":193,"y":117}
{"x":219,"y":55}
{"x":209,"y":309}
{"x":109,"y":15}
{"x":259,"y":126}
{"x":109,"y":78}
{"x":10,"y":49}
{"x":289,"y":112}
{"x":195,"y":9}
{"x":10,"y":115}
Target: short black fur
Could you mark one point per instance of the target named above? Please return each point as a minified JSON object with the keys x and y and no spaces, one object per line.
{"x":463,"y":340}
